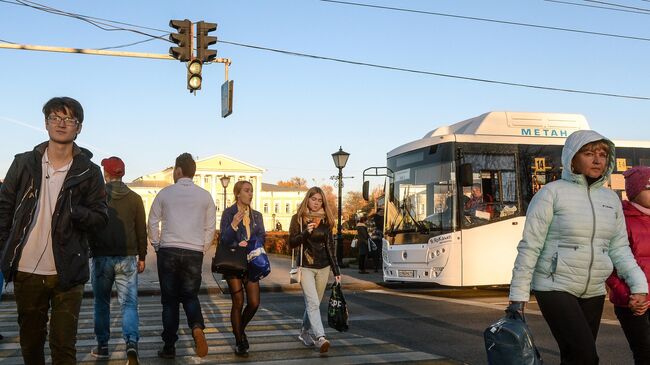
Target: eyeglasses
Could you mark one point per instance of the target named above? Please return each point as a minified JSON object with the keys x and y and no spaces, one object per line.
{"x":68,"y":121}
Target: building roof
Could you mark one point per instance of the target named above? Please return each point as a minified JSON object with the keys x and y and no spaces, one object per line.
{"x":273,"y":187}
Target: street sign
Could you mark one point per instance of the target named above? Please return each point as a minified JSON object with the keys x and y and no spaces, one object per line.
{"x":226,"y":98}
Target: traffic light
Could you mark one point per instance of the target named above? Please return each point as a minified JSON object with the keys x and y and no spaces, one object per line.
{"x":183,"y":38}
{"x":194,"y":74}
{"x":203,"y":41}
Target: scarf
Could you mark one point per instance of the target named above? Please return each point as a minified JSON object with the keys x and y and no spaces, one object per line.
{"x":316,"y":217}
{"x":246,"y":220}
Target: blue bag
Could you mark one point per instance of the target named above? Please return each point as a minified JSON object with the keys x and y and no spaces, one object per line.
{"x":259,"y":265}
{"x":508,"y":341}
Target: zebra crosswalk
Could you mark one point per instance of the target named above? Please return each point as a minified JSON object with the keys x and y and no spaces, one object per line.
{"x":272,"y":337}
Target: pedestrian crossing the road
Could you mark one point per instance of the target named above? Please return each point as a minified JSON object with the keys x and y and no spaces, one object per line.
{"x":272,"y":336}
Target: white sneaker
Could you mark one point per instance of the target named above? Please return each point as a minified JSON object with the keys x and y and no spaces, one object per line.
{"x":322,"y":344}
{"x":305,"y":338}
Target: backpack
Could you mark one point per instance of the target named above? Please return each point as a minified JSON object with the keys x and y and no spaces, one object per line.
{"x":508,"y":341}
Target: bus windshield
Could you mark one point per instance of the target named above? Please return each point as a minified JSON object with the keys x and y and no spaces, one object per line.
{"x":422,"y":200}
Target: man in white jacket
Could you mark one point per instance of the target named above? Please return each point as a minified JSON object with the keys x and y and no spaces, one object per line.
{"x":181,"y":228}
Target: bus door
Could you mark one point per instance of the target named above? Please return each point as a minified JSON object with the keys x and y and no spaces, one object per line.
{"x":491,"y":218}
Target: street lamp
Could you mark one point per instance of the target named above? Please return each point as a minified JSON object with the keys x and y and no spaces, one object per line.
{"x":225,"y":180}
{"x":340,"y":159}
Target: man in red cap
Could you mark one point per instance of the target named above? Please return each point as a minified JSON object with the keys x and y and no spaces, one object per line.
{"x":118,"y":253}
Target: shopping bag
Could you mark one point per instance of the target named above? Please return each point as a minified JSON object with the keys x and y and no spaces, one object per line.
{"x":259,"y":265}
{"x":509,"y":341}
{"x":354,"y":243}
{"x":229,"y":260}
{"x":337,"y":309}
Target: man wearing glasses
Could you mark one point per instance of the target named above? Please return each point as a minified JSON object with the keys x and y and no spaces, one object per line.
{"x":51,"y":199}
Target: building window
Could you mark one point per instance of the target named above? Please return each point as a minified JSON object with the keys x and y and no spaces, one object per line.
{"x":287,"y":208}
{"x":197,"y":179}
{"x":217,"y":203}
{"x":207,"y":180}
{"x":276,"y":208}
{"x":266,"y":208}
{"x":241,"y":178}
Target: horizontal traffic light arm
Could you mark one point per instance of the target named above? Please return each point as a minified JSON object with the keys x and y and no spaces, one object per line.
{"x":96,"y":52}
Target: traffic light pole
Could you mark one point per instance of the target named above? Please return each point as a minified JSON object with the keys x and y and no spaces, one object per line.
{"x":99,"y":52}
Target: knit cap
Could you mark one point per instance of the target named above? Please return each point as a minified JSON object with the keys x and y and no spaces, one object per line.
{"x":637,"y":179}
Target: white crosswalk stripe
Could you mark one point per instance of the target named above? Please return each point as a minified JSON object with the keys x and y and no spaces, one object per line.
{"x":272,"y":335}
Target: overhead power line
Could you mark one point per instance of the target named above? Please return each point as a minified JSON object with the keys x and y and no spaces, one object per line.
{"x":617,"y":5}
{"x":597,"y":7}
{"x":103,"y":24}
{"x":547,"y":27}
{"x":340,"y":60}
{"x":430,"y":73}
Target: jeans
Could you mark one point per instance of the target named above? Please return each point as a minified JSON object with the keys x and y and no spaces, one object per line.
{"x":179,"y":273}
{"x":637,"y":332}
{"x":123,"y":271}
{"x":34,"y":294}
{"x":313,"y":283}
{"x":574,"y":323}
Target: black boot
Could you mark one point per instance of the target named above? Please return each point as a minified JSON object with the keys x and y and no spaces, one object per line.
{"x":244,"y":341}
{"x":240,"y":350}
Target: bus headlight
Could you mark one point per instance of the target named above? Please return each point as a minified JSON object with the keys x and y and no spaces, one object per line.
{"x":436,"y":271}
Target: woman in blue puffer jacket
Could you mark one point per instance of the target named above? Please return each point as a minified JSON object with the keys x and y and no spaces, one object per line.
{"x":574,"y":236}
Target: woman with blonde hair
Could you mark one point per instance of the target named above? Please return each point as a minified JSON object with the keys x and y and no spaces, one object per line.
{"x":241,"y":225}
{"x":311,"y":231}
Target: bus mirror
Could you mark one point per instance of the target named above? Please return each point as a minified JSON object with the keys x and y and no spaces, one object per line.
{"x":465,"y":174}
{"x":366,"y":188}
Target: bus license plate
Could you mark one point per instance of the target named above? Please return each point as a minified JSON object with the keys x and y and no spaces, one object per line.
{"x":406,"y":273}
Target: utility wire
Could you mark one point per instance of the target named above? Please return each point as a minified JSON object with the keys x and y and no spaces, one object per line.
{"x":394,"y":68}
{"x":490,"y":20}
{"x":598,"y":7}
{"x":617,"y":5}
{"x":99,"y":24}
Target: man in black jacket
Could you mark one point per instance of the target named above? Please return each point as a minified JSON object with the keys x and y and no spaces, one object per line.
{"x":52,"y":197}
{"x":118,"y":255}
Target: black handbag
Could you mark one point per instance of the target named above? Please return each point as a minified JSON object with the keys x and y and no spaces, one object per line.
{"x":509,"y":341}
{"x":230,"y":260}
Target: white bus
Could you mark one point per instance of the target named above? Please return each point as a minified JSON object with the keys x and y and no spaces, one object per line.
{"x":433,"y":230}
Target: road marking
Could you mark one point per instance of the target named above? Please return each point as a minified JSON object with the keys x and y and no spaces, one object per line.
{"x":496,"y":306}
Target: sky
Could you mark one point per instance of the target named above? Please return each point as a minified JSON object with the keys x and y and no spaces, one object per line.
{"x":290,"y":113}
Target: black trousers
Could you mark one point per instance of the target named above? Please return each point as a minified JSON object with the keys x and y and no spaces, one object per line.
{"x":574,"y":323}
{"x":637,"y":332}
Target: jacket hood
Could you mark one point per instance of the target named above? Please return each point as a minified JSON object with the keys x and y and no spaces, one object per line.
{"x":117,"y":190}
{"x":573,"y":144}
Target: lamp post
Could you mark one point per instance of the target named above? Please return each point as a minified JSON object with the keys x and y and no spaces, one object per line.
{"x":225,"y":180}
{"x":340,"y":159}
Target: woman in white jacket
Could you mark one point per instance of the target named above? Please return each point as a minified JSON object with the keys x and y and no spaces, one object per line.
{"x":574,"y":235}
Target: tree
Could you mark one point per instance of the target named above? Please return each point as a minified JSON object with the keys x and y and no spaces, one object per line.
{"x":294,"y":182}
{"x":332,"y":199}
{"x":354,"y":203}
